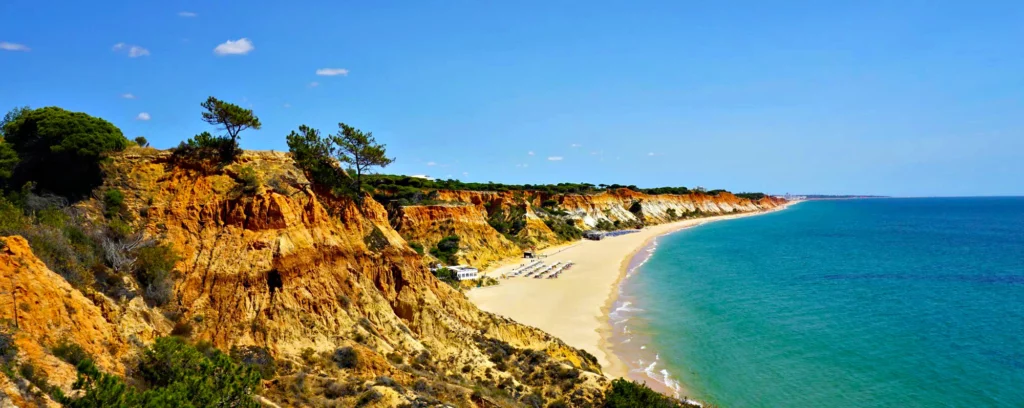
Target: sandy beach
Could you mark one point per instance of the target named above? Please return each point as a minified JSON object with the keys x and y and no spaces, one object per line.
{"x":575,"y":306}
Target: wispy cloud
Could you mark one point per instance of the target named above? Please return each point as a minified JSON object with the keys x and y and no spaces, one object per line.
{"x":186,"y":14}
{"x":522,"y":165}
{"x":314,"y":84}
{"x":142,"y":116}
{"x":430,"y":163}
{"x":555,"y":158}
{"x":241,"y":46}
{"x":6,"y":46}
{"x":128,"y":96}
{"x":575,"y":145}
{"x":134,"y":51}
{"x":465,"y":173}
{"x":530,"y":152}
{"x":651,"y":154}
{"x":332,"y":72}
{"x":287,"y":105}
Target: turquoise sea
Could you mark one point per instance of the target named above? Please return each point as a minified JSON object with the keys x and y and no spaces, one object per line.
{"x":857,"y":303}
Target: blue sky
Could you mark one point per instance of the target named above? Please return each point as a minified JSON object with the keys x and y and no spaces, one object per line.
{"x":897,"y":98}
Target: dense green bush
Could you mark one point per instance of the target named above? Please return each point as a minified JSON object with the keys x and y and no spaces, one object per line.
{"x":251,"y":181}
{"x":564,"y":230}
{"x":8,"y":350}
{"x":445,"y":250}
{"x":141,"y":141}
{"x":153,"y":267}
{"x":508,"y":223}
{"x":346,"y":357}
{"x":672,"y":214}
{"x":70,"y":352}
{"x":206,"y":147}
{"x":628,"y":394}
{"x":8,"y":160}
{"x":447,"y":276}
{"x":113,"y":203}
{"x":61,"y":150}
{"x":375,"y":240}
{"x":258,"y":358}
{"x":416,"y":246}
{"x":174,"y":374}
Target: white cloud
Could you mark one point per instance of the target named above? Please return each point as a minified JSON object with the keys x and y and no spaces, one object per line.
{"x":650,"y":154}
{"x":314,"y":84}
{"x":128,"y":96}
{"x":530,"y":153}
{"x":575,"y":145}
{"x":142,"y":116}
{"x":13,"y":47}
{"x":186,"y":14}
{"x":431,"y":163}
{"x":332,"y":71}
{"x":555,"y":158}
{"x":522,"y":165}
{"x":465,"y":173}
{"x":240,"y":47}
{"x":134,"y":51}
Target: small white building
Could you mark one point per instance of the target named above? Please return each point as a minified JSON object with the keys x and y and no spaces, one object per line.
{"x":465,"y":272}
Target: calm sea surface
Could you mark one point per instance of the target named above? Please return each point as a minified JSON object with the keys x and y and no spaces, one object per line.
{"x":860,"y":303}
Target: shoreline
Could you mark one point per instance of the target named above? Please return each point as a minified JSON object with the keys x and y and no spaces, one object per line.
{"x":576,"y":306}
{"x":667,"y":386}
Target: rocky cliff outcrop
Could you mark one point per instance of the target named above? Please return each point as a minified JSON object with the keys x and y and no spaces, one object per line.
{"x":275,"y":264}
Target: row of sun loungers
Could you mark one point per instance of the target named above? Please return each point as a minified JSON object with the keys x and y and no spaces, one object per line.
{"x":538,"y":269}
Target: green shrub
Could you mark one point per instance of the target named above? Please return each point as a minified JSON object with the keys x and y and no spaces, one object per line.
{"x":153,"y":267}
{"x":8,"y":350}
{"x":174,"y":373}
{"x":250,"y":180}
{"x":70,"y":352}
{"x":445,"y":250}
{"x":416,"y":246}
{"x":628,"y":394}
{"x":447,"y":276}
{"x":258,"y":358}
{"x":113,"y":202}
{"x":206,"y":147}
{"x":8,"y":161}
{"x":672,"y":214}
{"x":564,"y":230}
{"x":61,"y":150}
{"x":369,"y":397}
{"x":141,"y":141}
{"x":375,"y":240}
{"x":346,"y":357}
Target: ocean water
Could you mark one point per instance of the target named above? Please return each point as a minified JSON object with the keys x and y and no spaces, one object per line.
{"x":859,"y":303}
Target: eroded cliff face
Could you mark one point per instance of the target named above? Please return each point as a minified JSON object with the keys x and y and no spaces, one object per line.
{"x":481,"y":245}
{"x":282,"y":267}
{"x":429,"y":224}
{"x":615,"y":206}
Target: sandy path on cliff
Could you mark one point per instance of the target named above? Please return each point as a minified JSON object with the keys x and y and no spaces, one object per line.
{"x":574,"y":307}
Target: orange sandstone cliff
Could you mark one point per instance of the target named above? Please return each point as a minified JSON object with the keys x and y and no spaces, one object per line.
{"x":302,"y":274}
